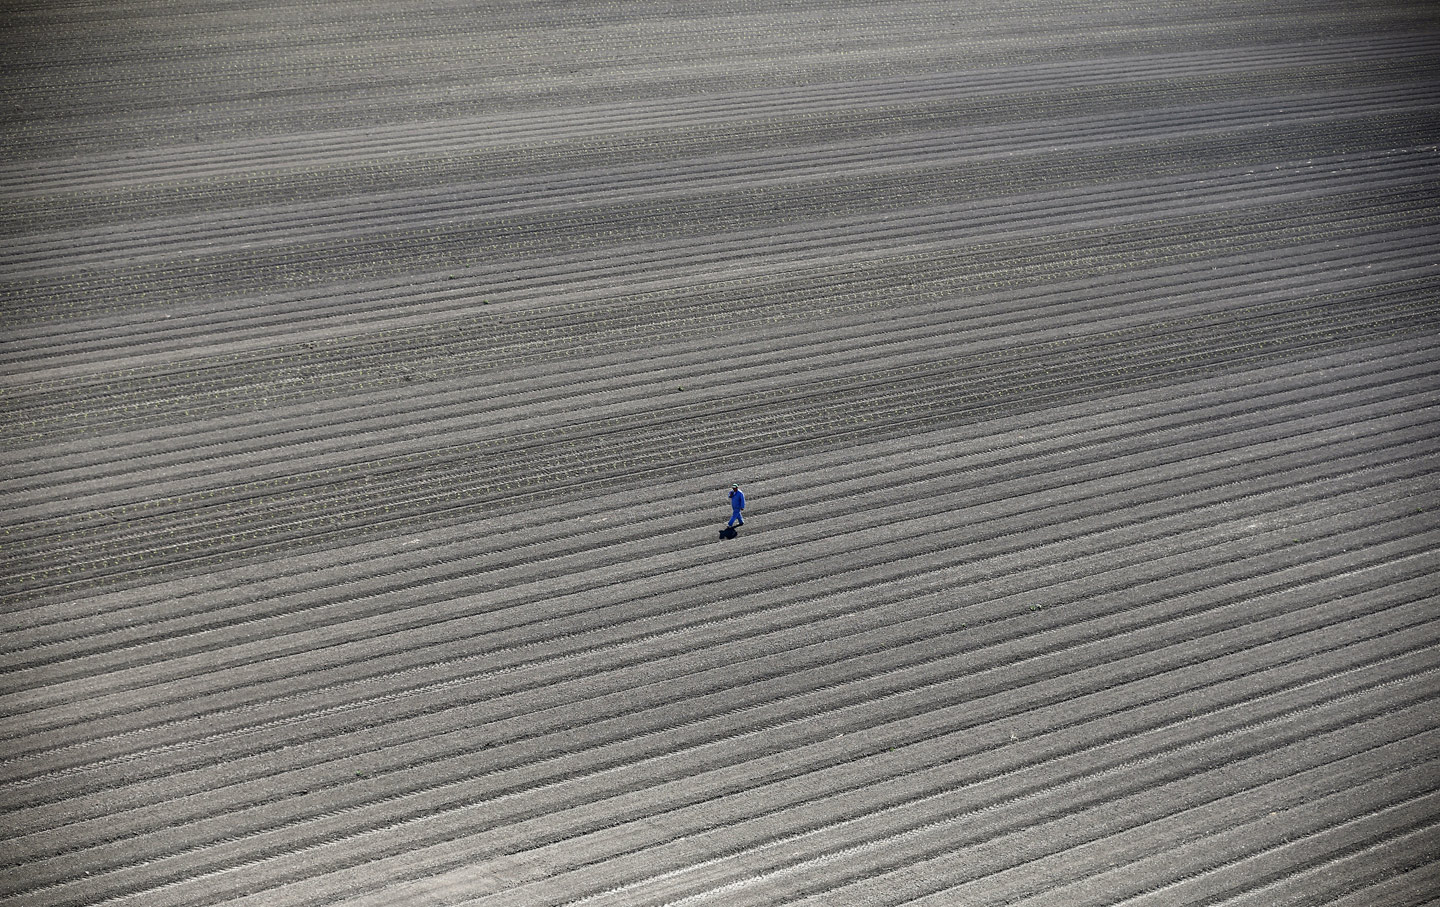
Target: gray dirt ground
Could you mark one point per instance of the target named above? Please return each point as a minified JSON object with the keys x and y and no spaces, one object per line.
{"x":372,"y":376}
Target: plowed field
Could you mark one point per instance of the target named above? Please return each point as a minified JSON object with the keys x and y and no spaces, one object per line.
{"x":373,"y":375}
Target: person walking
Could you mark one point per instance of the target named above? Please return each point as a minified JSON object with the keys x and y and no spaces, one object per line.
{"x":737,"y":504}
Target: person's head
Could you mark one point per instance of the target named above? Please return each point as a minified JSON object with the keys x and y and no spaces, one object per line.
{"x":735,"y":487}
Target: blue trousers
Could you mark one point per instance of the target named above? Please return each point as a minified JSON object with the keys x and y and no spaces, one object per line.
{"x":735,"y":518}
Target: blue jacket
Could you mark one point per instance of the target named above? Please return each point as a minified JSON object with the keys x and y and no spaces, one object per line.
{"x":737,"y":499}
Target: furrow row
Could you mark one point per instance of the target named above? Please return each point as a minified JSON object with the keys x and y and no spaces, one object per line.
{"x":454,"y":572}
{"x":255,"y":543}
{"x":415,"y":140}
{"x":926,"y":404}
{"x":1078,"y":207}
{"x":931,"y":499}
{"x":684,"y":75}
{"x":307,"y":374}
{"x":897,"y":370}
{"x":1296,"y":712}
{"x":467,"y":245}
{"x":1015,"y":315}
{"x":293,"y":208}
{"x":1096,"y":524}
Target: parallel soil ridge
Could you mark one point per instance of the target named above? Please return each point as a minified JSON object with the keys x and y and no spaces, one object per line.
{"x":372,"y":378}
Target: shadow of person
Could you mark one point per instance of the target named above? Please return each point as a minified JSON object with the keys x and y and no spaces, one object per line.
{"x":728,"y":532}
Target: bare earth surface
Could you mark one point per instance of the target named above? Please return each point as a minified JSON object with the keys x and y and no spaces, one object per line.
{"x":373,"y":375}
